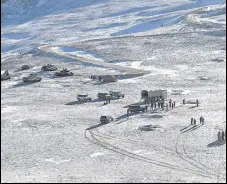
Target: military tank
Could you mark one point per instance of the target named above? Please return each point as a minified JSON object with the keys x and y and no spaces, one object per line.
{"x":49,"y":67}
{"x":26,"y":67}
{"x":5,"y":76}
{"x":64,"y":73}
{"x":32,"y":78}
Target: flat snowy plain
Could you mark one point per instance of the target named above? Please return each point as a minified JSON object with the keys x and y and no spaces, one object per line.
{"x":178,"y":45}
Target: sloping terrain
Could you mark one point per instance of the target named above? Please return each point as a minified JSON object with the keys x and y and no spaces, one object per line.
{"x":177,"y":45}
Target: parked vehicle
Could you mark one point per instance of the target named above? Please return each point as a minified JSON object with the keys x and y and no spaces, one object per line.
{"x":49,"y":67}
{"x":106,"y":119}
{"x":64,"y":73}
{"x":103,"y":96}
{"x":32,"y":78}
{"x":26,"y":67}
{"x":83,"y":98}
{"x":116,"y":94}
{"x":5,"y":76}
{"x":136,"y":108}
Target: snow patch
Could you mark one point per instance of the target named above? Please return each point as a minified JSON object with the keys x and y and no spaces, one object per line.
{"x":97,"y":154}
{"x":76,"y":52}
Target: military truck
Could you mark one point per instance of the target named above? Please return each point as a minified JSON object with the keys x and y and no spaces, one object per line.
{"x":106,"y":119}
{"x":5,"y":76}
{"x":136,"y":108}
{"x":32,"y":78}
{"x":116,"y":94}
{"x":83,"y":97}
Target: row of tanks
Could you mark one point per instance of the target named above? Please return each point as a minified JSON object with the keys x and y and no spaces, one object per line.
{"x":33,"y":77}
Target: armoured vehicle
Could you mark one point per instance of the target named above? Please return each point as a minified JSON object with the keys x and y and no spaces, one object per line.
{"x":32,"y":78}
{"x":64,"y":73}
{"x":49,"y":67}
{"x":106,"y":119}
{"x":136,"y":108}
{"x":83,"y":98}
{"x":26,"y":67}
{"x":116,"y":94}
{"x":5,"y":76}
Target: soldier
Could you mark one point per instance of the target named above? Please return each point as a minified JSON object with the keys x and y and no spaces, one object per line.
{"x":109,"y":100}
{"x":223,"y":136}
{"x":192,"y":121}
{"x":197,"y":103}
{"x":162,"y":105}
{"x":219,"y":136}
{"x":174,"y":104}
{"x":170,"y":103}
{"x":201,"y":120}
{"x":152,"y":105}
{"x":100,"y":78}
{"x":155,"y":105}
{"x":184,"y":101}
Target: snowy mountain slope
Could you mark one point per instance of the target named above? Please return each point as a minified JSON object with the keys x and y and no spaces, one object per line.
{"x":177,"y":45}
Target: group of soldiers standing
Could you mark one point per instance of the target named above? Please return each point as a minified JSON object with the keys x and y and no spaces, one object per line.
{"x":93,"y":77}
{"x":161,"y":104}
{"x":201,"y":120}
{"x":222,"y":136}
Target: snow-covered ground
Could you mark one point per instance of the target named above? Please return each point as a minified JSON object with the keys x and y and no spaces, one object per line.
{"x":48,"y":136}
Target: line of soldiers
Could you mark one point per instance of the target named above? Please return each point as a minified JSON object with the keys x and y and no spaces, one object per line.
{"x":222,"y":136}
{"x":162,"y":105}
{"x":159,"y":105}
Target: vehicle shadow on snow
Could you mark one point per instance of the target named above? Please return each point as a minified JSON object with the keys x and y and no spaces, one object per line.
{"x":216,"y":144}
{"x":151,"y":116}
{"x":95,"y":126}
{"x":21,"y":84}
{"x":82,"y":102}
{"x":192,"y":107}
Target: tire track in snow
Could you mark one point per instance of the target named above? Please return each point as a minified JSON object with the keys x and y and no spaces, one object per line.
{"x":101,"y":142}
